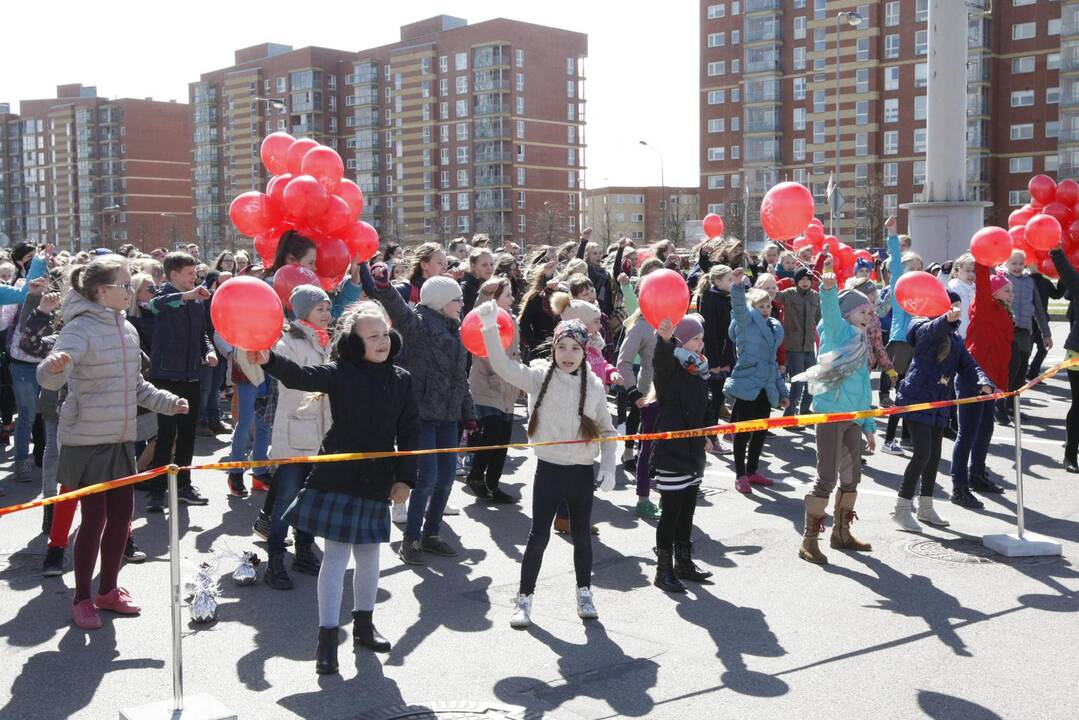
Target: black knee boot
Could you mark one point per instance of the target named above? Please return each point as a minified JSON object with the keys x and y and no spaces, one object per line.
{"x":326,"y":653}
{"x":364,"y":632}
{"x":665,"y":579}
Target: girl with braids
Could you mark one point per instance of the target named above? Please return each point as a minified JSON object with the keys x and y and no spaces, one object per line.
{"x":567,"y":402}
{"x":97,"y":355}
{"x":372,"y":408}
{"x":428,"y":261}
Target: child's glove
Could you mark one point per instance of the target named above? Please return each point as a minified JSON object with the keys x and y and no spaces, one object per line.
{"x":488,"y":314}
{"x":605,"y":480}
{"x":381,"y":275}
{"x":892,"y":374}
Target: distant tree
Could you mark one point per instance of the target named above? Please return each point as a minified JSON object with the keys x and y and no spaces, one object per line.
{"x":871,"y":205}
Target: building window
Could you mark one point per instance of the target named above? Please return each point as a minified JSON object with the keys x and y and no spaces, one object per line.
{"x":1022,"y":65}
{"x":800,"y":88}
{"x":1052,"y":61}
{"x":520,"y":153}
{"x":719,"y":67}
{"x":571,"y":86}
{"x":736,"y":123}
{"x":521,"y":176}
{"x":1052,"y":163}
{"x":717,"y":11}
{"x":921,"y":42}
{"x":280,"y":87}
{"x":571,"y":131}
{"x":861,"y":174}
{"x":891,"y":13}
{"x":1023,"y":31}
{"x":736,"y":152}
{"x":861,"y":112}
{"x":443,"y":63}
{"x":921,"y":75}
{"x":861,"y":83}
{"x":820,"y":39}
{"x":818,"y":132}
{"x":891,"y":174}
{"x":716,"y":125}
{"x":717,"y":182}
{"x":1016,"y":197}
{"x":1021,"y":164}
{"x":1054,"y":26}
{"x":736,"y":94}
{"x":891,"y":110}
{"x":891,"y":142}
{"x":716,"y":97}
{"x":1022,"y":98}
{"x":462,"y":155}
{"x":460,"y":109}
{"x":862,"y":46}
{"x":920,"y":107}
{"x":799,"y":58}
{"x":891,"y":77}
{"x":1052,"y":95}
{"x":819,"y":97}
{"x":735,"y":7}
{"x":799,"y":118}
{"x":919,"y":140}
{"x":717,"y":39}
{"x":460,"y":61}
{"x":1023,"y":131}
{"x":1052,"y":129}
{"x":861,"y":144}
{"x":800,"y":28}
{"x":736,"y":37}
{"x":462,"y":178}
{"x":921,"y":11}
{"x":519,"y":106}
{"x":461,"y":84}
{"x":919,"y":172}
{"x":798,"y":149}
{"x":717,"y":154}
{"x":891,"y":47}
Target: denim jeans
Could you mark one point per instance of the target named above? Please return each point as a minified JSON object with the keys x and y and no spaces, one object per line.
{"x":434,"y":479}
{"x":50,"y":459}
{"x":24,"y":384}
{"x":210,"y":387}
{"x":241,"y":434}
{"x":798,"y":362}
{"x":288,"y":480}
{"x":972,"y":444}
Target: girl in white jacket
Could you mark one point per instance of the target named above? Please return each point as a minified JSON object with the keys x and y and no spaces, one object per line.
{"x":566,"y":401}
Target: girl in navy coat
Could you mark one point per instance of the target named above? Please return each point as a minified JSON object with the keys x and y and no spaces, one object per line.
{"x":939,"y":356}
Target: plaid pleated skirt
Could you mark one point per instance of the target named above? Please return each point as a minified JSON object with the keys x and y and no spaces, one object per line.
{"x":340,"y":517}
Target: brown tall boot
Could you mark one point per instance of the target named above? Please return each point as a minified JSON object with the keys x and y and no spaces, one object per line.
{"x":842,"y":539}
{"x":816,"y":508}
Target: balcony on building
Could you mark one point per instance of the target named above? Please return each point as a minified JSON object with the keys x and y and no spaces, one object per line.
{"x":362,"y":96}
{"x":764,"y":58}
{"x":752,"y":6}
{"x":490,"y":178}
{"x":205,"y":94}
{"x":365,"y":118}
{"x":493,"y":200}
{"x":762,"y":90}
{"x":490,"y":104}
{"x":363,"y":73}
{"x":490,"y":56}
{"x":491,"y":128}
{"x":762,"y":120}
{"x":491,"y":81}
{"x":760,"y":28}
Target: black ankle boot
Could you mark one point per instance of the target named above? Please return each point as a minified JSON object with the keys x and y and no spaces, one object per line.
{"x":684,"y":567}
{"x":364,"y":632}
{"x":1070,"y":464}
{"x":665,"y":579}
{"x":326,"y":653}
{"x":305,"y":560}
{"x":276,"y":575}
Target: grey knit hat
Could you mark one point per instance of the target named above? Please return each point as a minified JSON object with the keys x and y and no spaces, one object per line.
{"x":439,"y":291}
{"x":304,"y":298}
{"x":688,"y":328}
{"x":851,"y":300}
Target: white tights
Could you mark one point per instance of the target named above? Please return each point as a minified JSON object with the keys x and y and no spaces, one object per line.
{"x":331,"y":580}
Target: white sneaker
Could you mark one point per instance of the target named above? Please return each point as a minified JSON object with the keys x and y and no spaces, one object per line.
{"x":399,"y":513}
{"x":586,"y":609}
{"x":451,"y":510}
{"x":904,"y":517}
{"x":522,"y":612}
{"x":892,"y":448}
{"x":927,"y":514}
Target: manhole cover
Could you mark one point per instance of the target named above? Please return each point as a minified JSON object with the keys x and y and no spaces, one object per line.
{"x":961,"y":550}
{"x":452,"y":711}
{"x":710,"y":491}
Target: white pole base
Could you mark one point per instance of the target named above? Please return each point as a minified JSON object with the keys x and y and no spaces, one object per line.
{"x":1030,"y":545}
{"x":196,"y":707}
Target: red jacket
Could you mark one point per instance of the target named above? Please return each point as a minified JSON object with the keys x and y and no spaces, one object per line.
{"x":989,"y":337}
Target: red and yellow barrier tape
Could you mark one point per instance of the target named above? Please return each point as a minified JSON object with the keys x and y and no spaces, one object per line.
{"x":720,"y":429}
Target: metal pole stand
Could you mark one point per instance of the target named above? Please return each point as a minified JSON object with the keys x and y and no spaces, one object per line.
{"x":1020,"y":543}
{"x":199,"y":707}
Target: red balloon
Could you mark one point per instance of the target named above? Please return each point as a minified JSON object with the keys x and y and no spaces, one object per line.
{"x":846,"y":254}
{"x":350,"y":192}
{"x":1060,"y":211}
{"x":1073,"y":258}
{"x":324,"y":164}
{"x":266,"y":246}
{"x":1021,"y":216}
{"x":362,"y":241}
{"x":921,"y":294}
{"x":663,"y":295}
{"x":863,"y":254}
{"x":1042,"y":188}
{"x":254,"y":212}
{"x":818,"y":222}
{"x":641,"y":256}
{"x":786,"y":210}
{"x":801,"y":241}
{"x":331,"y":258}
{"x":296,"y":151}
{"x":335,"y":218}
{"x":330,"y":284}
{"x":288,"y":277}
{"x":472,"y":332}
{"x":713,"y":225}
{"x":1070,"y":241}
{"x":991,"y":246}
{"x":1067,"y":192}
{"x":815,"y":234}
{"x":1043,"y":232}
{"x":305,"y":198}
{"x":275,"y":188}
{"x":1048,"y":269}
{"x":1019,"y":240}
{"x":247,"y":313}
{"x":831,"y":244}
{"x":274,"y":152}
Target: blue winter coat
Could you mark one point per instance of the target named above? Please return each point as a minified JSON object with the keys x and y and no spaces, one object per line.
{"x":929,"y":379}
{"x":756,"y":339}
{"x":900,"y":317}
{"x":856,"y":390}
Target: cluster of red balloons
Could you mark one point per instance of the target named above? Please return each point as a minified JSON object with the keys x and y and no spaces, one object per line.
{"x":1049,"y":219}
{"x":307,"y":193}
{"x":844,"y":257}
{"x":786,"y":210}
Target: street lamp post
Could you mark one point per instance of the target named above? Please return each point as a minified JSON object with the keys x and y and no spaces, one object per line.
{"x":662,"y":191}
{"x":854,"y":20}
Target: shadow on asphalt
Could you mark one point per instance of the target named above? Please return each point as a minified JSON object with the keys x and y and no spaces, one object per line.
{"x":939,"y":706}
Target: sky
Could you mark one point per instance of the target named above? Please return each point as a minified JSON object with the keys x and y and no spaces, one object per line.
{"x":641,"y":68}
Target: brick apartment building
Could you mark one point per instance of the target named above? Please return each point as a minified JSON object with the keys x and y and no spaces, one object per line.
{"x":83,"y":171}
{"x":767,"y":102}
{"x":455,"y":129}
{"x":643,"y":214}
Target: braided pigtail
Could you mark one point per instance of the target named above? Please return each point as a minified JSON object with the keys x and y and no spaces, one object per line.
{"x":589,"y":430}
{"x":533,"y":420}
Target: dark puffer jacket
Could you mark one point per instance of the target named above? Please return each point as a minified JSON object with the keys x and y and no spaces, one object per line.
{"x":929,"y":379}
{"x":1069,"y":280}
{"x":373,"y":409}
{"x":683,"y":405}
{"x":435,"y":356}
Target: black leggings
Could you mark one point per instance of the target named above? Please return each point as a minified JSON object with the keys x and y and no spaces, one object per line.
{"x":553,"y":484}
{"x":748,"y":445}
{"x":676,"y":521}
{"x":715,"y":389}
{"x":924,"y":461}
{"x":1072,"y":444}
{"x":487,"y":465}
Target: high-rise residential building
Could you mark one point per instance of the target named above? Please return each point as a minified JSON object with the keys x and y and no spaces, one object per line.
{"x":642,"y":213}
{"x":83,"y":171}
{"x":454,"y":129}
{"x":768,"y":103}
